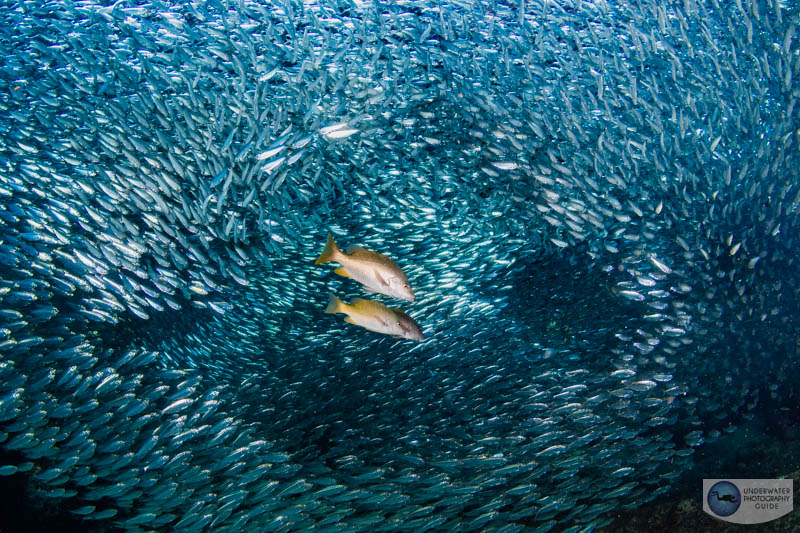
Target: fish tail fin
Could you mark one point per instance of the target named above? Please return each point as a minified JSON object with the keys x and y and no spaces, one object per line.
{"x":329,"y":253}
{"x":335,"y":305}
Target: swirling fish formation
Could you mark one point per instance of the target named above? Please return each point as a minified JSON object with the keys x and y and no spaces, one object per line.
{"x":598,"y":202}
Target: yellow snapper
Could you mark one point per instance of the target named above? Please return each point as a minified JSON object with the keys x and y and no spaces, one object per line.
{"x":375,"y":271}
{"x":375,"y":316}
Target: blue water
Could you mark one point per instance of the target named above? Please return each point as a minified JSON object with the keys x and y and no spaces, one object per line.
{"x":595,"y":205}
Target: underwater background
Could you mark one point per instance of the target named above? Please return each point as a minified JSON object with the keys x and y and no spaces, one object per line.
{"x":596,"y":204}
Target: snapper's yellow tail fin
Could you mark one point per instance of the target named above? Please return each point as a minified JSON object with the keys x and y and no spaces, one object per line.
{"x":329,"y":253}
{"x":335,"y":305}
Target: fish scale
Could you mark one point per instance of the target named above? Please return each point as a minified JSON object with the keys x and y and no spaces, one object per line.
{"x":596,"y":206}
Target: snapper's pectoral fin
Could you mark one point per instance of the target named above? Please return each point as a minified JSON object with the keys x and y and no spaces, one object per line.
{"x":380,"y":279}
{"x":342,"y":272}
{"x":350,"y":320}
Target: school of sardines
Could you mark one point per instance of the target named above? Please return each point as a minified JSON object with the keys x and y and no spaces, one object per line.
{"x":597,"y":203}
